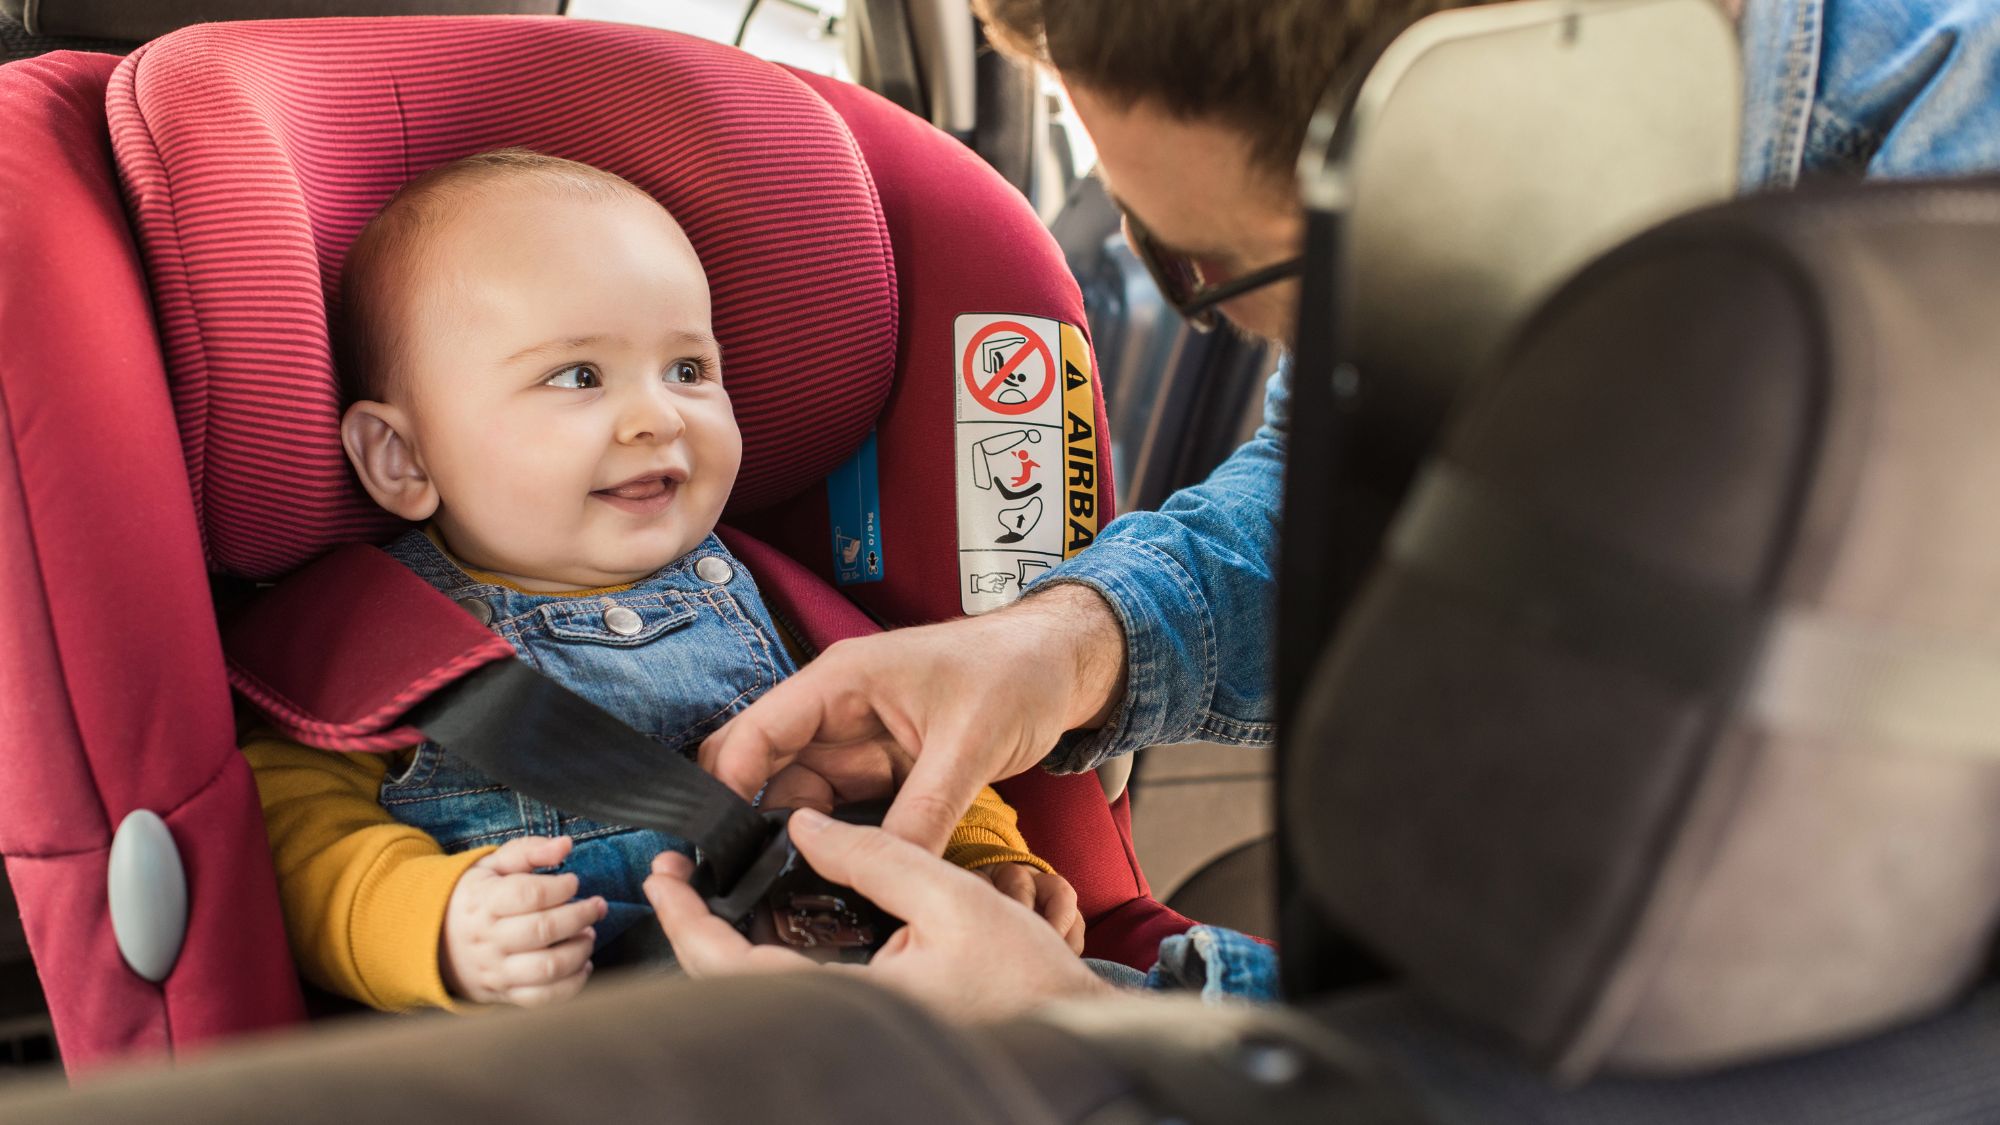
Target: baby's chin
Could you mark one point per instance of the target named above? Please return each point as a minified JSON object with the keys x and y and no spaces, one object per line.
{"x":556,"y":576}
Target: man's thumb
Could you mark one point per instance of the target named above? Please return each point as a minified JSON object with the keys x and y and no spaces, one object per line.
{"x":933,"y":798}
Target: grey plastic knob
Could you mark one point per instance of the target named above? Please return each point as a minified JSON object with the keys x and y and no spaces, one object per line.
{"x":148,"y":894}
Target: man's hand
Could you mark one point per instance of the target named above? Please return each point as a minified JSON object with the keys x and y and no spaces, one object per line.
{"x":964,"y":952}
{"x":514,"y":937}
{"x":929,"y":714}
{"x":1048,"y":895}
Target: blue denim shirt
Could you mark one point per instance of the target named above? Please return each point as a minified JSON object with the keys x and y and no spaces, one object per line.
{"x":1832,"y":87}
{"x":674,"y":657}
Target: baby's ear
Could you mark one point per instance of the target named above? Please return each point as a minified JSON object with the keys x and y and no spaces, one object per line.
{"x":376,"y":437}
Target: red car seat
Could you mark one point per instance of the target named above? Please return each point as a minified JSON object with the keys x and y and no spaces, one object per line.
{"x":160,"y":423}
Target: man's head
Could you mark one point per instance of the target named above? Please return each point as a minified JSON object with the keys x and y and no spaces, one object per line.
{"x":528,"y":347}
{"x":1198,"y":109}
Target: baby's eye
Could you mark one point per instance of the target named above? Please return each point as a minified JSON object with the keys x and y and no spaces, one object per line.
{"x":576,"y":377}
{"x":687,"y":372}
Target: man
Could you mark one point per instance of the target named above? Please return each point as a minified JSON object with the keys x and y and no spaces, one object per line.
{"x":1160,"y":632}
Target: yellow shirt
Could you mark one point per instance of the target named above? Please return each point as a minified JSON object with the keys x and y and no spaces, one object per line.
{"x":364,"y":894}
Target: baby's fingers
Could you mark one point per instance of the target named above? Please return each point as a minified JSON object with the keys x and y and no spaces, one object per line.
{"x":524,"y":854}
{"x":539,"y":929}
{"x":548,"y":966}
{"x":542,"y":995}
{"x":526,"y":894}
{"x":1014,"y":880}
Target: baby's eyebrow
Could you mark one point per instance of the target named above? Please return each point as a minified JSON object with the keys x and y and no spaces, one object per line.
{"x":569,"y":343}
{"x":702,"y":339}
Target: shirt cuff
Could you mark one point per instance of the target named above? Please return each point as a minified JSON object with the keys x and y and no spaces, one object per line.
{"x":1169,"y":639}
{"x":396,"y":952}
{"x":1222,"y":965}
{"x":973,"y":854}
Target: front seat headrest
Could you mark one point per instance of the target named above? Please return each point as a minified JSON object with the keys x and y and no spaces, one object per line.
{"x":1667,"y":732}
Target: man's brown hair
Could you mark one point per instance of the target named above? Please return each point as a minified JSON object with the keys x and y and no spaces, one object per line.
{"x":1261,"y":66}
{"x":368,"y":334}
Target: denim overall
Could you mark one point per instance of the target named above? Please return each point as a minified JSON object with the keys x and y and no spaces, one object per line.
{"x":673,"y":657}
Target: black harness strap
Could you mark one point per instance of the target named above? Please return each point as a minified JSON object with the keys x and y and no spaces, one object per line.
{"x":533,"y":735}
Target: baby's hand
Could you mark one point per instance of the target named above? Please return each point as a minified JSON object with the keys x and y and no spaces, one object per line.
{"x":514,"y":937}
{"x":1048,"y":895}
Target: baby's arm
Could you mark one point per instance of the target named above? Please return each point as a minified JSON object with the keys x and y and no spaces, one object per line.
{"x":366,"y":898}
{"x":988,"y":841}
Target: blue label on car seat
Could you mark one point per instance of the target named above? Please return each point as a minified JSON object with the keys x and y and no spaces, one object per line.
{"x":854,"y":508}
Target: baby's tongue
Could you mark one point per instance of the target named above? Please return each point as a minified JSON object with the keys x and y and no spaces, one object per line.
{"x":639,"y":489}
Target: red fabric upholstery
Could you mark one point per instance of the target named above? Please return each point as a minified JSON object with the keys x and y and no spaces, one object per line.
{"x":955,"y":224}
{"x":252,"y":153}
{"x":280,"y":648}
{"x":112,"y":695}
{"x":946,"y":211}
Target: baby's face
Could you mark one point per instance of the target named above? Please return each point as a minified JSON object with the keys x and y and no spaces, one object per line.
{"x":564,"y":389}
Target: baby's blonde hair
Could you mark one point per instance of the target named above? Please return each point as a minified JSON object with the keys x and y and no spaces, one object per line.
{"x":369,"y":333}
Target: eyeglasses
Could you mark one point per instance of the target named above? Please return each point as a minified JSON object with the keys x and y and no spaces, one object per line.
{"x":1180,"y":280}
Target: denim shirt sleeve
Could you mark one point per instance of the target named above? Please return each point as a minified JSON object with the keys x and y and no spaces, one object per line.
{"x":1892,"y":88}
{"x":1194,"y":586}
{"x":1219,"y":964}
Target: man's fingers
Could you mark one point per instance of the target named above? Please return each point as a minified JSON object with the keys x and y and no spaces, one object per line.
{"x":524,"y":894}
{"x":796,"y":787}
{"x":765,"y":738}
{"x":941,"y":786}
{"x":547,"y":966}
{"x":741,"y":756}
{"x":523,"y":933}
{"x":826,"y":702}
{"x":524,"y":854}
{"x":704,"y":944}
{"x":896,"y":875}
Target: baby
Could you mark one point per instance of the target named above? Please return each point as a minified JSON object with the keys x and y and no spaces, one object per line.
{"x":533,"y":377}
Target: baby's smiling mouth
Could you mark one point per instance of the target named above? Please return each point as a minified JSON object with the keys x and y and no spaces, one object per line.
{"x":644,"y":494}
{"x":644,"y":489}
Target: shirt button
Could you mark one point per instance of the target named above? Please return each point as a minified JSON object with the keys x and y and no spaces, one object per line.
{"x":623,"y":621}
{"x":714,"y":569}
{"x":477,"y":607}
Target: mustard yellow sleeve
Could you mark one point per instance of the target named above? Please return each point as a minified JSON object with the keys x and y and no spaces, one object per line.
{"x":364,"y":896}
{"x":989,"y":834}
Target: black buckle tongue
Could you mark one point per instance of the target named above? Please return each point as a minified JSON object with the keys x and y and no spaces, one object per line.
{"x":734,"y":904}
{"x":783,"y":899}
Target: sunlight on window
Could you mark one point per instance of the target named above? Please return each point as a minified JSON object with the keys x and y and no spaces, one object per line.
{"x":801,"y":33}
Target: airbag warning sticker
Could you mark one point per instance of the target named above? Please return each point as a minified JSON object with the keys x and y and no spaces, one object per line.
{"x":1026,"y":450}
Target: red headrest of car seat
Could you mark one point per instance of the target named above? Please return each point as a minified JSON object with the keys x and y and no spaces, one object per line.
{"x":252,"y":154}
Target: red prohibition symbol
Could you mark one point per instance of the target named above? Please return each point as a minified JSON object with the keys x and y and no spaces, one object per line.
{"x":987,"y":394}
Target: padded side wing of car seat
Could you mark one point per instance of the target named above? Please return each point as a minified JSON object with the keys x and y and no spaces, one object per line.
{"x":112,"y":696}
{"x":952,"y":218}
{"x":282,"y":645}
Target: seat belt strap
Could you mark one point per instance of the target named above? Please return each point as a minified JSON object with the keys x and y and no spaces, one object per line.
{"x":537,"y":737}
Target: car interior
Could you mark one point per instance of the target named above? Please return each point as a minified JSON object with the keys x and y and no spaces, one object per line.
{"x":1638,"y":764}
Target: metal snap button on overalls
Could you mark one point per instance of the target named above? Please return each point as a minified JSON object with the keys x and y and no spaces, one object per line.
{"x":477,"y":607}
{"x":623,"y":621}
{"x":714,"y":570}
